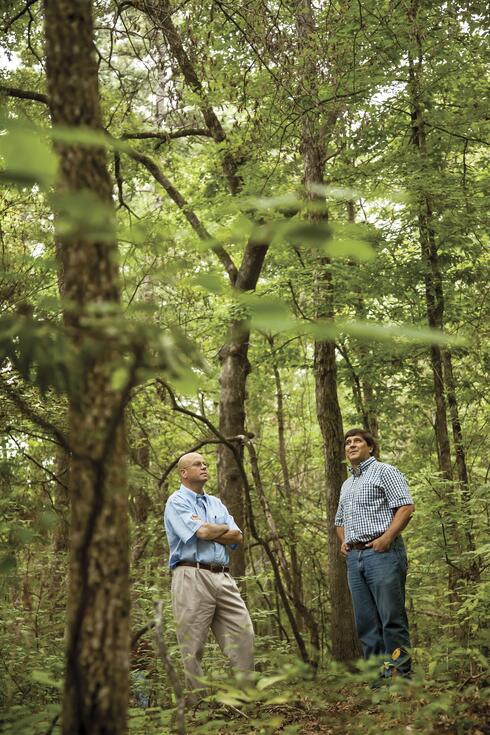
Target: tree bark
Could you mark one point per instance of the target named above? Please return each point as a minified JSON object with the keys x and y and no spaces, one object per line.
{"x":97,"y":660}
{"x":367,"y":399}
{"x":344,"y":642}
{"x":235,"y":368}
{"x":430,"y":259}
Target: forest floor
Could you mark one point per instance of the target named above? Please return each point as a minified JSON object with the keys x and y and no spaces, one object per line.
{"x":353,"y":710}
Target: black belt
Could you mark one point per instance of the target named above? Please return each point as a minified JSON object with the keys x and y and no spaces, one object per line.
{"x":216,"y":568}
{"x":361,"y":545}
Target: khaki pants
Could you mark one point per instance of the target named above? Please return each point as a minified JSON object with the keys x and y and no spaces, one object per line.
{"x":202,"y":600}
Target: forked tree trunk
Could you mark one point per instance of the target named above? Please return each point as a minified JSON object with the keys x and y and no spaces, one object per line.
{"x":96,"y":684}
{"x":234,"y":354}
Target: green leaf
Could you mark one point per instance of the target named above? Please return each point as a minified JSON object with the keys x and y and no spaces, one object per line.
{"x":120,"y":378}
{"x":335,"y":192}
{"x":28,"y":157}
{"x":85,"y":136}
{"x":268,"y":681}
{"x":283,"y":201}
{"x":210,"y":281}
{"x":268,"y":313}
{"x":43,"y":677}
{"x":369,"y":331}
{"x":302,"y":232}
{"x":23,"y":534}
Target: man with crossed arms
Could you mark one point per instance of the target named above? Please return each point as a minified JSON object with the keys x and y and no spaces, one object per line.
{"x":200,"y":530}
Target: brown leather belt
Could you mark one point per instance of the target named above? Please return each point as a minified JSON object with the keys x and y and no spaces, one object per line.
{"x":216,"y":568}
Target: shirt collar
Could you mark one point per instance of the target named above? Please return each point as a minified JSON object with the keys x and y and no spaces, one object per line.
{"x":191,"y":494}
{"x":362,"y":466}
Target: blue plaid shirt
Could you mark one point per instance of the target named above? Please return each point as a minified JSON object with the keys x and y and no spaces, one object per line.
{"x":368,"y":500}
{"x":181,"y":527}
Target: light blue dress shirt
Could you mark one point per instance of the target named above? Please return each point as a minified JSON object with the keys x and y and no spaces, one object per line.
{"x":181,"y":527}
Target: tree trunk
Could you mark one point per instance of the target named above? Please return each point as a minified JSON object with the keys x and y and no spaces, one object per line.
{"x":367,"y":398}
{"x":296,"y":580}
{"x":344,"y":642}
{"x":96,"y":684}
{"x":444,"y":384}
{"x":433,"y":281}
{"x":235,"y":368}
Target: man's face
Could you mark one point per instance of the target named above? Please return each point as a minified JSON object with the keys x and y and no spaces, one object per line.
{"x":195,"y":469}
{"x":357,"y":449}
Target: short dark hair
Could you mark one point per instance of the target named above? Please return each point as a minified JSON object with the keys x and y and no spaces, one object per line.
{"x":368,"y":438}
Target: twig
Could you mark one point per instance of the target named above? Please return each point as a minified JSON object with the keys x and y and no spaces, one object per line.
{"x":39,"y":420}
{"x":34,"y":461}
{"x":141,"y":632}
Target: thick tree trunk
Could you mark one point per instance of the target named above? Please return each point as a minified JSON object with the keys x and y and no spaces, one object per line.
{"x":235,"y":368}
{"x":234,"y":371}
{"x":96,"y":683}
{"x":344,"y":642}
{"x":343,"y":638}
{"x":234,"y":354}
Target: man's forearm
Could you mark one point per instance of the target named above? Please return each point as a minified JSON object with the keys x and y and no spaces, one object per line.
{"x":211,"y":531}
{"x":340,"y":531}
{"x":229,"y":537}
{"x":401,"y":519}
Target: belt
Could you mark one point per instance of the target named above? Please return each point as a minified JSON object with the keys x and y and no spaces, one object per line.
{"x":361,"y":545}
{"x":216,"y":568}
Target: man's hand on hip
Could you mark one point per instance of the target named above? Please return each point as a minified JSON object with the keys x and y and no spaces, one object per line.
{"x":380,"y":544}
{"x":344,"y":549}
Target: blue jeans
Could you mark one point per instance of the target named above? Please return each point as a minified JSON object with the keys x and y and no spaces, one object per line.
{"x":377,"y":585}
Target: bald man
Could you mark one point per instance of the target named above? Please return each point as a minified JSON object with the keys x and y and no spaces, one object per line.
{"x":204,"y":594}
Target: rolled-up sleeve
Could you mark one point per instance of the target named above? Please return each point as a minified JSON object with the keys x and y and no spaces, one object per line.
{"x":339,"y":516}
{"x":179,"y":516}
{"x":395,"y":487}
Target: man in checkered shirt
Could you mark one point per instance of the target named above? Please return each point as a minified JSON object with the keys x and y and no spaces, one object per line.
{"x":374,"y":508}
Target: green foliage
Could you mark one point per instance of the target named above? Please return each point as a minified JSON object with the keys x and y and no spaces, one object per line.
{"x":178,"y":302}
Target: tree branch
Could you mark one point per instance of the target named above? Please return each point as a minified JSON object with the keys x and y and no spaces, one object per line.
{"x":161,"y":15}
{"x":24,"y":94}
{"x":38,"y":419}
{"x":19,"y":15}
{"x":222,"y":255}
{"x":189,"y":213}
{"x":167,"y":136}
